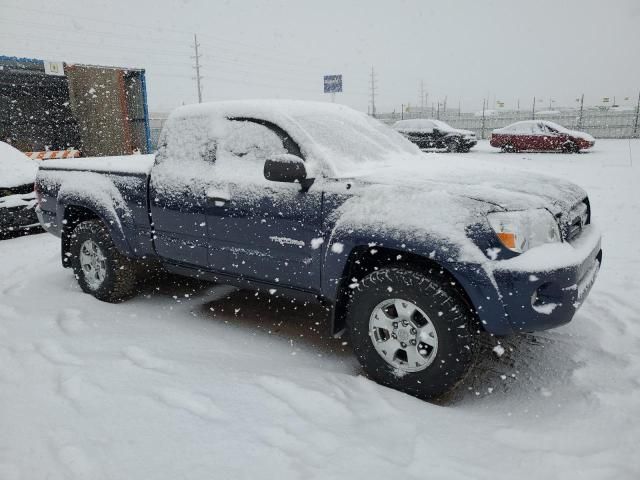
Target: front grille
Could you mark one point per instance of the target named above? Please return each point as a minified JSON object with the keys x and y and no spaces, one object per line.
{"x":576,"y":219}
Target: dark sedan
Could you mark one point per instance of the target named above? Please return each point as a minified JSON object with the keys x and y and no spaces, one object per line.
{"x":427,"y":133}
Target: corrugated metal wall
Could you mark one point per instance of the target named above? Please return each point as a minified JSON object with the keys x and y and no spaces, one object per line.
{"x":98,"y":110}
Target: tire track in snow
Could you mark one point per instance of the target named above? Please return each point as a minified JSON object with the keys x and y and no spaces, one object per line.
{"x":143,"y":359}
{"x":196,"y":404}
{"x":56,"y":354}
{"x":70,"y":322}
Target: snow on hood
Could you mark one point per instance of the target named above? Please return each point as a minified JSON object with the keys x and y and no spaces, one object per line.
{"x":583,"y":135}
{"x":16,"y":168}
{"x":504,"y":187}
{"x":439,"y":197}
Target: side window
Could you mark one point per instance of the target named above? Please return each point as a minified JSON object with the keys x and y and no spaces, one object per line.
{"x":244,"y":149}
{"x":428,"y":126}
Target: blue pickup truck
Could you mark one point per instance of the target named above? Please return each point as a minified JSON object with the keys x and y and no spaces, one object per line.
{"x":413,"y":255}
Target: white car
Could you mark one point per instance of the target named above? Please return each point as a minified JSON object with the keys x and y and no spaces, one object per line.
{"x":17,"y":198}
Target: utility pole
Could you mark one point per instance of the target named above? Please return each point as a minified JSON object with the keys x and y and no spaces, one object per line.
{"x":197,"y":56}
{"x":421,"y":97}
{"x":483,"y":107}
{"x":373,"y":92}
{"x":581,"y":110}
{"x":402,"y":112}
{"x":635,"y":125}
{"x":533,"y":109}
{"x":444,"y":106}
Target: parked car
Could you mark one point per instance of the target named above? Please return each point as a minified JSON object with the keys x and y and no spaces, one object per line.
{"x":412,"y":257}
{"x":17,"y":198}
{"x":427,"y":133}
{"x":540,"y":135}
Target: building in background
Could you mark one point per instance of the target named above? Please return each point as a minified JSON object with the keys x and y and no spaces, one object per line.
{"x":57,"y":106}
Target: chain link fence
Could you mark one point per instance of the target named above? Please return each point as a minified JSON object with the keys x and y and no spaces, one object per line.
{"x":599,"y":123}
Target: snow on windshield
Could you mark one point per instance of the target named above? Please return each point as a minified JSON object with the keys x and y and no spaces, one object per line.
{"x":555,"y":126}
{"x":16,"y":168}
{"x":352,"y":144}
{"x":422,"y":125}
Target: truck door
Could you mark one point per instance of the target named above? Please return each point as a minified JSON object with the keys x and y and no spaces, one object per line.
{"x":177,"y":197}
{"x":259,"y":229}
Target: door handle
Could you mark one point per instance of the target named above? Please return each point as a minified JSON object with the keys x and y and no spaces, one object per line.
{"x":219,"y":197}
{"x":218,"y":201}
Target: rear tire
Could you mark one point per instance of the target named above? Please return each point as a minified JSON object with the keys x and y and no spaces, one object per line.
{"x":100,"y":268}
{"x":508,"y":148}
{"x":412,"y":332}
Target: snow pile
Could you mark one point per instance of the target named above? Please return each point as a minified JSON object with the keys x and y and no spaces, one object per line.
{"x":16,"y":168}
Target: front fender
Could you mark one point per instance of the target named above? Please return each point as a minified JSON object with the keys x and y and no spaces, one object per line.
{"x":477,"y":283}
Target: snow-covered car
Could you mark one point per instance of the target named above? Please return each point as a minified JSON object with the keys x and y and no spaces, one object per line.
{"x":17,"y":197}
{"x":428,"y":133}
{"x":412,"y":256}
{"x":540,"y":135}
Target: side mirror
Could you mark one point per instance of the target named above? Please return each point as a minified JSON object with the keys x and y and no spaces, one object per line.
{"x":285,"y":168}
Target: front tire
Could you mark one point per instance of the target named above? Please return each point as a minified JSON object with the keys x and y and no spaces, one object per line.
{"x":101,"y":270}
{"x":570,"y":147}
{"x":411,"y":331}
{"x":454,"y":145}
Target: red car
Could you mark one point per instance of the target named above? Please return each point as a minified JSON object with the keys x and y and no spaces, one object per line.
{"x":540,"y":135}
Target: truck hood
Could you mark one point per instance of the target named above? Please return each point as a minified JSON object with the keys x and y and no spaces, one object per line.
{"x":498,"y":186}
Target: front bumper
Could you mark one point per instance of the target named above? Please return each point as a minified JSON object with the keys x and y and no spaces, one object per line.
{"x":547,"y":297}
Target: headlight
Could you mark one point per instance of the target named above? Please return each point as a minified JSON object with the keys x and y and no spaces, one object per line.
{"x":520,"y":231}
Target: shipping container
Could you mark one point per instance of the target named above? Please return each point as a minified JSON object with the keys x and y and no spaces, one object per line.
{"x":53,"y":106}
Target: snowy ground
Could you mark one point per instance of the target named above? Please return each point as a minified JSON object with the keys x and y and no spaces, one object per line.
{"x":205,"y":382}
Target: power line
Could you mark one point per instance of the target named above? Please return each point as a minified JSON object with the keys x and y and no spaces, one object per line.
{"x":138,"y":28}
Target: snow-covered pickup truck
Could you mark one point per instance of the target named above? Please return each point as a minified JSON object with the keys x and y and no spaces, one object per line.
{"x":412,"y":255}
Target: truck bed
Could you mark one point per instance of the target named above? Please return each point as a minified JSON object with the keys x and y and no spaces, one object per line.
{"x":115,"y":188}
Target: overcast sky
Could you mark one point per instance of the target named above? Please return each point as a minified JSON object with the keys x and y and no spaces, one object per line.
{"x":466,"y":50}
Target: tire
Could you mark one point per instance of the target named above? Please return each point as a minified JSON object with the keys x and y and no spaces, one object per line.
{"x":440,"y":365}
{"x":453,"y":145}
{"x":570,"y":147}
{"x":101,"y":270}
{"x":508,"y":148}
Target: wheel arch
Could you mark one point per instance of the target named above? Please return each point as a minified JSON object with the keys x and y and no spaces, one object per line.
{"x":72,"y":214}
{"x":361,"y":262}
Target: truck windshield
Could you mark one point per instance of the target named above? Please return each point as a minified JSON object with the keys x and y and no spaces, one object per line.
{"x":354,"y":144}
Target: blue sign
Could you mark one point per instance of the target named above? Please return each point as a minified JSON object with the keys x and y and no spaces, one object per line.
{"x":332,"y":83}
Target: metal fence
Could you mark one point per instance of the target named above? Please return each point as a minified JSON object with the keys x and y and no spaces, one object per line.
{"x":599,"y":123}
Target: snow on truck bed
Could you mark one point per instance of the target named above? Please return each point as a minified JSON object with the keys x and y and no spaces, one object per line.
{"x":205,"y":382}
{"x":125,"y":164}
